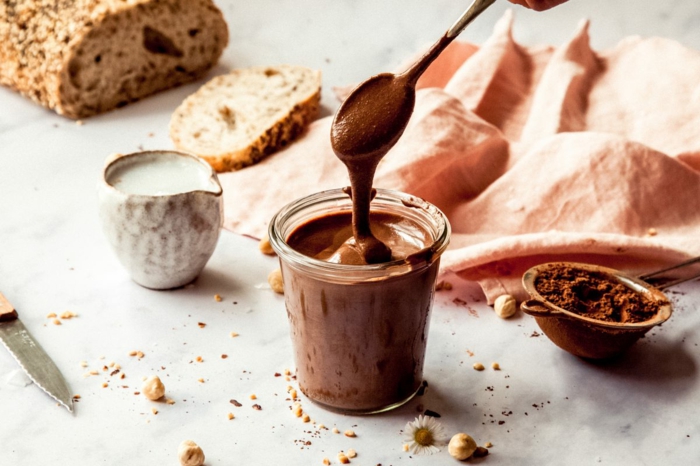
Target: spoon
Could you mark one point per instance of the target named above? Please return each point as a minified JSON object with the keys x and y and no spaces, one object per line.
{"x":371,"y":120}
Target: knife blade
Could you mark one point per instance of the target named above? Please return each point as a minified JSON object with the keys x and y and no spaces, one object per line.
{"x":31,"y":357}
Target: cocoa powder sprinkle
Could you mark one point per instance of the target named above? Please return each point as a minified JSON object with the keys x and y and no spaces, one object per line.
{"x":594,"y":295}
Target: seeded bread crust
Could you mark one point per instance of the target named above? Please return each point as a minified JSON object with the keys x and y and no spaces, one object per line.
{"x":212,"y":122}
{"x":84,"y":57}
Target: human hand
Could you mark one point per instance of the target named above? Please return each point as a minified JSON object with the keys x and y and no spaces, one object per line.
{"x":538,"y":5}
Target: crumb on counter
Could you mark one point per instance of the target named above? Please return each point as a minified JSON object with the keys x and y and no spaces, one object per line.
{"x":478,"y":366}
{"x":217,"y":298}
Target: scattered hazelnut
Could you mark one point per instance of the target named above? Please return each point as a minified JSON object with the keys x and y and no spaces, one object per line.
{"x":350,"y":433}
{"x":230,"y":416}
{"x":342,"y":459}
{"x":495,"y":366}
{"x":351,"y":453}
{"x":51,"y":315}
{"x":326,"y":461}
{"x":275,"y":281}
{"x":461,"y":446}
{"x":217,"y":298}
{"x":335,"y":430}
{"x":504,"y":306}
{"x":306,"y":418}
{"x":190,"y":454}
{"x":153,"y":388}
{"x":478,"y":366}
{"x":56,"y":322}
{"x":443,"y":285}
{"x":265,"y":246}
{"x":488,"y":445}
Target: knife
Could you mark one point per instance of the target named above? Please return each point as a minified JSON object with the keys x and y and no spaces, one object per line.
{"x":31,"y":357}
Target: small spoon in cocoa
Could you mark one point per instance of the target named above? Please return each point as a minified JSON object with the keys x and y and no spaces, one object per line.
{"x":371,"y":120}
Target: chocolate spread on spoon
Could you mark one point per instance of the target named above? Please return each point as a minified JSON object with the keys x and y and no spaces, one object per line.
{"x":367,"y":125}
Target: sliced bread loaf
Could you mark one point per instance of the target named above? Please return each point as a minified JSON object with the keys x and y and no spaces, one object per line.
{"x":83,"y":57}
{"x":236,"y":119}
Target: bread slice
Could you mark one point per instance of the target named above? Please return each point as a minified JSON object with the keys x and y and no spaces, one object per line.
{"x":236,"y":119}
{"x":85,"y":57}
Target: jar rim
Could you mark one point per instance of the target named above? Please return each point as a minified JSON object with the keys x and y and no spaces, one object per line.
{"x":385,"y":197}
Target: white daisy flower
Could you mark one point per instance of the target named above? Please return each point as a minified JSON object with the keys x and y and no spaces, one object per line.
{"x":424,"y":434}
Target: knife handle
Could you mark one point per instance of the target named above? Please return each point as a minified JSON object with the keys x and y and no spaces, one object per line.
{"x":7,"y":312}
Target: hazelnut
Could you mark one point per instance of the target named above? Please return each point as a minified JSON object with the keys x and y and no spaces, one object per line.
{"x":504,"y":306}
{"x":265,"y":247}
{"x":153,"y":388}
{"x":190,"y":454}
{"x":461,"y":446}
{"x":275,"y":281}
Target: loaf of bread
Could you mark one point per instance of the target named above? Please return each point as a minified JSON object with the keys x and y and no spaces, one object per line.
{"x":83,"y":57}
{"x":236,"y":119}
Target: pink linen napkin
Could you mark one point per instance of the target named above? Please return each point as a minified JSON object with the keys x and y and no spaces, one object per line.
{"x":534,"y":153}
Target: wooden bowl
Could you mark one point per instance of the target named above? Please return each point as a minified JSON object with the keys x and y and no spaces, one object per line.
{"x":582,"y":336}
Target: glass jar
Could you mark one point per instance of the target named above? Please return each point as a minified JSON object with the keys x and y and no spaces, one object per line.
{"x":359,"y":332}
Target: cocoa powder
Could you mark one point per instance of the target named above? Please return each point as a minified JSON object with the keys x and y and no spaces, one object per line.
{"x":594,"y":295}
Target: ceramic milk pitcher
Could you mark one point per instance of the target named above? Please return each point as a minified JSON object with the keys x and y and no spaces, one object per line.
{"x":162,"y":212}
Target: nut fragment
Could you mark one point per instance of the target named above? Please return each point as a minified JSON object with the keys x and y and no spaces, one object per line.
{"x":153,"y":388}
{"x":495,"y":366}
{"x":351,"y":453}
{"x":480,"y":452}
{"x":504,"y":306}
{"x":478,"y":366}
{"x":350,"y":433}
{"x":190,"y":454}
{"x":265,"y":246}
{"x":217,"y":298}
{"x":275,"y":281}
{"x":230,"y":416}
{"x":342,"y":458}
{"x":306,"y":418}
{"x":461,"y":446}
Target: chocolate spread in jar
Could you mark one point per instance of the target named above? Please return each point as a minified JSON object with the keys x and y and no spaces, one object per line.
{"x":359,"y":346}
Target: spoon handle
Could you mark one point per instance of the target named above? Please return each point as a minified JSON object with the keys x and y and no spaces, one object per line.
{"x":416,"y":70}
{"x":474,"y":10}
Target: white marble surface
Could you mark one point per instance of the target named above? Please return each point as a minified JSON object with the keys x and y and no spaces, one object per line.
{"x":640,"y":410}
